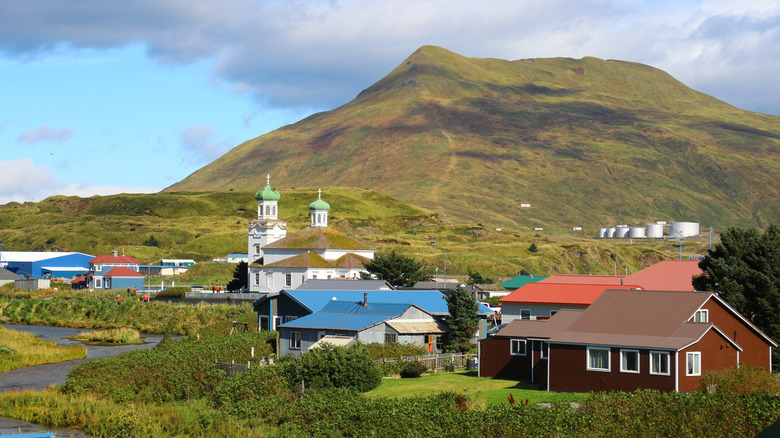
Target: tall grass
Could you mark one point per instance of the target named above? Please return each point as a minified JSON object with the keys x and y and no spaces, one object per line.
{"x":19,"y":350}
{"x":111,"y":336}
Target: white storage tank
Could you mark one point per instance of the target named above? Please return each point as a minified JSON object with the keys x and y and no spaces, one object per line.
{"x":623,"y":232}
{"x":602,"y":233}
{"x":655,"y":231}
{"x":688,"y":229}
{"x":611,"y":232}
{"x":637,"y":232}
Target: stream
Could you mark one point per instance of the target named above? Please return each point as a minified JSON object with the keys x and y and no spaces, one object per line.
{"x":38,"y":377}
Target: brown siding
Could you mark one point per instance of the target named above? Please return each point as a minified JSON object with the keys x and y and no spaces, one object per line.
{"x":569,"y":373}
{"x":716,"y":354}
{"x":756,"y":351}
{"x":497,"y":362}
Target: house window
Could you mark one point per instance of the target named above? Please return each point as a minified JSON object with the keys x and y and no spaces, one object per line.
{"x":439,"y":342}
{"x":295,"y":340}
{"x":517,"y":347}
{"x":257,"y":278}
{"x":391,"y":338}
{"x":287,"y":280}
{"x":329,"y":276}
{"x":545,"y":346}
{"x":693,"y":367}
{"x":107,"y":283}
{"x":629,"y":361}
{"x":277,"y":322}
{"x":598,"y":359}
{"x":290,"y":318}
{"x":553,"y":312}
{"x":701,"y":316}
{"x":659,"y":363}
{"x":525,"y":314}
{"x":314,"y":276}
{"x":98,"y":283}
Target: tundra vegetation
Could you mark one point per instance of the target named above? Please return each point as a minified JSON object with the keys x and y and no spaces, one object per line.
{"x":19,"y":350}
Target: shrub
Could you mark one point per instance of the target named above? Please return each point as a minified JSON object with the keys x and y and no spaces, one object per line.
{"x":742,"y":379}
{"x":172,"y":292}
{"x":334,"y":367}
{"x":413,"y":369}
{"x":7,"y":349}
{"x":533,"y":248}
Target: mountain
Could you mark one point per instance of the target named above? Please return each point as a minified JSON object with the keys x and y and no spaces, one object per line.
{"x":586,"y":142}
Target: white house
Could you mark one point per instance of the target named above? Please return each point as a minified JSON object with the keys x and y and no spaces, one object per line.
{"x":315,"y":252}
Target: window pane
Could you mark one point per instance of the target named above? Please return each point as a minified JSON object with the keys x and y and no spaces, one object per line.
{"x":599,"y":359}
{"x":630,"y":361}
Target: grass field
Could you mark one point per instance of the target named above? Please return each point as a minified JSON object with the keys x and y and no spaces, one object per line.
{"x":484,"y":391}
{"x":19,"y":350}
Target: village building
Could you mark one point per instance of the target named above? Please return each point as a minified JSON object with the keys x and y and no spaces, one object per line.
{"x":281,"y":262}
{"x":114,"y":272}
{"x":626,"y":340}
{"x":543,"y":300}
{"x":365,"y":321}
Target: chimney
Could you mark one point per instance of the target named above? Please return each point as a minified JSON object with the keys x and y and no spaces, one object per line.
{"x":365,"y":299}
{"x":114,"y":253}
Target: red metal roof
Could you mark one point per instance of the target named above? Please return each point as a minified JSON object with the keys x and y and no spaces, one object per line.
{"x":667,"y":275}
{"x":614,"y":280}
{"x":553,"y":293}
{"x":115,"y":260}
{"x":122,"y":271}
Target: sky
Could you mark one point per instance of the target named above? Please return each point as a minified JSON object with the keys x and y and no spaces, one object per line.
{"x":126,"y":96}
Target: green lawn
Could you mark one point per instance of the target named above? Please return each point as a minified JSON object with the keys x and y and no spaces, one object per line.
{"x":483,"y":390}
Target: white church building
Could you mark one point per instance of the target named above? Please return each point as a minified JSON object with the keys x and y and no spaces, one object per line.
{"x":278,"y":261}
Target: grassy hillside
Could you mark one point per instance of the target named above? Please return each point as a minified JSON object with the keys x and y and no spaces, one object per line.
{"x":585,"y":141}
{"x":212,"y":224}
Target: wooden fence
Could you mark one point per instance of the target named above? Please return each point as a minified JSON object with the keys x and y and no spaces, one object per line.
{"x":438,"y":361}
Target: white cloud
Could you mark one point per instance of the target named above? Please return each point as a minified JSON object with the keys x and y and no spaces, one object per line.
{"x":45,"y":133}
{"x":319,"y":54}
{"x":21,"y":180}
{"x":200,"y":144}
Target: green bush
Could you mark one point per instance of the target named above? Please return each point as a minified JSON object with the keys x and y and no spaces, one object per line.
{"x":172,"y":292}
{"x":742,"y":379}
{"x":175,"y":370}
{"x":413,"y":369}
{"x":7,"y":349}
{"x":334,"y":367}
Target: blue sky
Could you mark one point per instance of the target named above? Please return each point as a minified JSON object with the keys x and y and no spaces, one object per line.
{"x":109,"y":96}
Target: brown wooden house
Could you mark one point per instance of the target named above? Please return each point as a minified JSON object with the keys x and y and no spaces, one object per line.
{"x":628,"y":339}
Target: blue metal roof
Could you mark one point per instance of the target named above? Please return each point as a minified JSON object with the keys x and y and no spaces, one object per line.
{"x":348,"y":316}
{"x":432,"y":301}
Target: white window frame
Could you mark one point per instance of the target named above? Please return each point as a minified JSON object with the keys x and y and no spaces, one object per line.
{"x":525,"y":310}
{"x":623,"y":368}
{"x":513,"y":350}
{"x":701,"y":315}
{"x":257,"y":279}
{"x":287,"y":280}
{"x":295,"y":340}
{"x":98,"y":283}
{"x":697,"y":362}
{"x":662,"y":355}
{"x":609,"y":359}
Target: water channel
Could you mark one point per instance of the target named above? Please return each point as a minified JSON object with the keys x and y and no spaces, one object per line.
{"x":39,"y":377}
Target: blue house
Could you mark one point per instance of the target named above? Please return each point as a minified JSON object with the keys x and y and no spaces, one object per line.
{"x":39,"y":264}
{"x":275,"y":309}
{"x":114,"y":272}
{"x":365,"y":321}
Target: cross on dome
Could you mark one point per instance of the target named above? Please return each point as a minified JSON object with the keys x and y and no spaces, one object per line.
{"x":268,"y":179}
{"x":319,"y":193}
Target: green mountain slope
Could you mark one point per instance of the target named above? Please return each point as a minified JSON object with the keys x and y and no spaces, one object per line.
{"x":586,"y":142}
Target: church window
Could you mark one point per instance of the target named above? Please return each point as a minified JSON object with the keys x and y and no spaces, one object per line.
{"x":287,"y":280}
{"x":268,"y":210}
{"x":273,"y":210}
{"x":318,"y":219}
{"x":257,"y":278}
{"x":257,"y":249}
